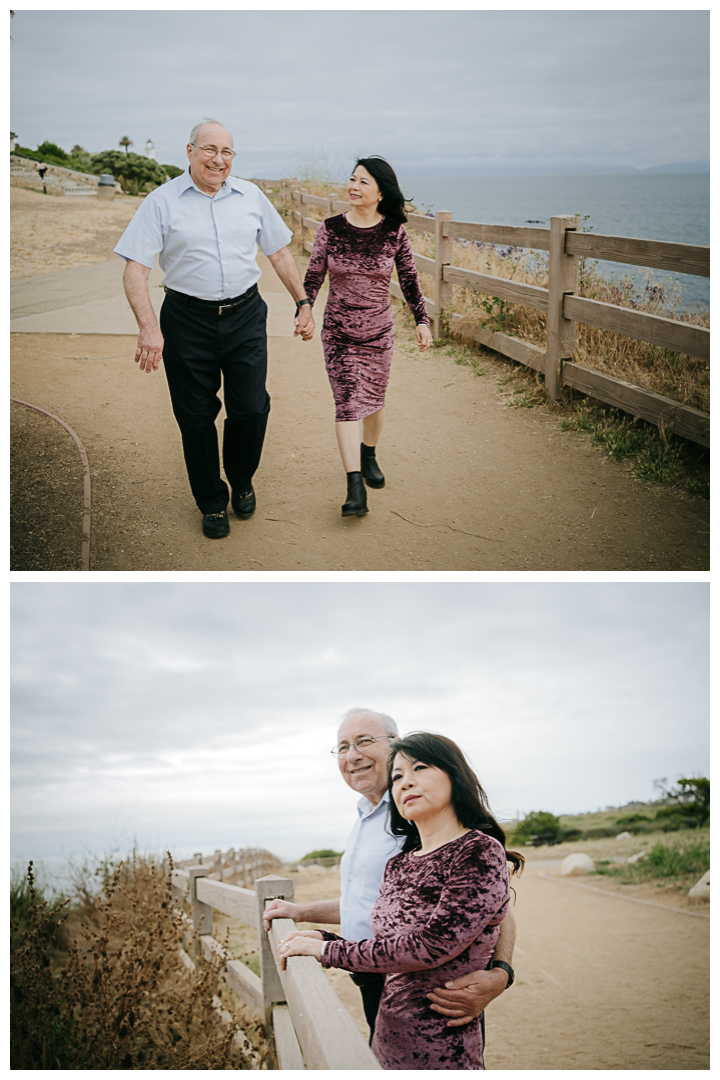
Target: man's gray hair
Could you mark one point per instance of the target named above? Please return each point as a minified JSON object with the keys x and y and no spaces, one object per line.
{"x":203,"y":123}
{"x":390,"y":725}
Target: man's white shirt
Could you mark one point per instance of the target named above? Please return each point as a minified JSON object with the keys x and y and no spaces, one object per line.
{"x":207,"y":246}
{"x":362,"y":866}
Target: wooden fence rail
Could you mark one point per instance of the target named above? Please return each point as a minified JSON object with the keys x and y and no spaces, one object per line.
{"x":564,"y":307}
{"x":305,"y":1020}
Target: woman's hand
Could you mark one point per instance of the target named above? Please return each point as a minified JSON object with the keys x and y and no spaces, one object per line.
{"x":423,"y":336}
{"x":300,"y":943}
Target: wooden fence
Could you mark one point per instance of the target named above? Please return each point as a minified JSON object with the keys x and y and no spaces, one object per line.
{"x":560,"y":301}
{"x":305,"y":1020}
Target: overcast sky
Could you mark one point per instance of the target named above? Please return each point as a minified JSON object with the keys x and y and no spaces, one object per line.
{"x":196,"y":716}
{"x":447,"y":93}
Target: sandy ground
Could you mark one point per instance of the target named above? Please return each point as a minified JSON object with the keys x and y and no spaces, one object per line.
{"x":601,"y":982}
{"x":471,"y":484}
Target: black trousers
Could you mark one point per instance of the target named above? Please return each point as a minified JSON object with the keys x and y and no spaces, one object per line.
{"x":201,"y":350}
{"x":371,"y":988}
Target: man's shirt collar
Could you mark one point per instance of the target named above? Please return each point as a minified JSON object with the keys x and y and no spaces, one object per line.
{"x":365,"y":808}
{"x":186,"y":181}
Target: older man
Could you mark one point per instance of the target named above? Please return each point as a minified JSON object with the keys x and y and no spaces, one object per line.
{"x":362,"y":751}
{"x":207,"y":226}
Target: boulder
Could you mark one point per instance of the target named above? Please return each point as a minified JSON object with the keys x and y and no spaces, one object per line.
{"x":575,"y":865}
{"x":624,"y":836}
{"x":701,"y":891}
{"x":636,"y":858}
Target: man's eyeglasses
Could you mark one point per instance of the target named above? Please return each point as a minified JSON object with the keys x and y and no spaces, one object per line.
{"x":363,"y":743}
{"x":211,"y":151}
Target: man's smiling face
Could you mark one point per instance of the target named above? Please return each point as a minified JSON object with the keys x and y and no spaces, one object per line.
{"x":365,"y":771}
{"x":210,"y":172}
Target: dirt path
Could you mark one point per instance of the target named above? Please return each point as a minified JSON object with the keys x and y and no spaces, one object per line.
{"x":471,"y":484}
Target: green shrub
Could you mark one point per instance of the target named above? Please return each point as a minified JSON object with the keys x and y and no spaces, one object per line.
{"x":323,"y":853}
{"x":600,"y":831}
{"x":51,"y":149}
{"x":136,"y":173}
{"x":632,"y":819}
{"x":538,"y":828}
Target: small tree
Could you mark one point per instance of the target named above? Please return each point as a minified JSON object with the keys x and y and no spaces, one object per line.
{"x":126,"y":142}
{"x":688,"y":797}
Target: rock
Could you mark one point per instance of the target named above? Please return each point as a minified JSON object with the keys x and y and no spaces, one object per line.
{"x":574,"y":865}
{"x":701,"y":891}
{"x":636,"y":858}
{"x":624,"y":836}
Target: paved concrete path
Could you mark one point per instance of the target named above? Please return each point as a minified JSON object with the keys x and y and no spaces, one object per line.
{"x":91,"y":300}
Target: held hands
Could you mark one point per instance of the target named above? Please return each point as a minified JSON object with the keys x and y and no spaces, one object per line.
{"x":423,"y":336}
{"x":300,"y":943}
{"x":149,"y":349}
{"x":304,"y":323}
{"x":464,"y":999}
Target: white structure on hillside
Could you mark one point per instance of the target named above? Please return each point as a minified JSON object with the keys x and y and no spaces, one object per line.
{"x":13,"y":137}
{"x":149,"y":149}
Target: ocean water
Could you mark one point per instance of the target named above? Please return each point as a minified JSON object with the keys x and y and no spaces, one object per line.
{"x":660,"y":206}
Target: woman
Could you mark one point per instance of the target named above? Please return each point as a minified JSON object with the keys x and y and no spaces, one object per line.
{"x":359,"y":249}
{"x":439,"y":910}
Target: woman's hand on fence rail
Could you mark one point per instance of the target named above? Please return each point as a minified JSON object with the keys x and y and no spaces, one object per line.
{"x":300,"y":943}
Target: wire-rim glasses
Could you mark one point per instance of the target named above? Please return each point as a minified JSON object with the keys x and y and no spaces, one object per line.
{"x":211,"y":151}
{"x":361,"y":744}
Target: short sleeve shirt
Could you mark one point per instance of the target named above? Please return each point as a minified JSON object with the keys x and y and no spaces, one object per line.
{"x":207,"y":245}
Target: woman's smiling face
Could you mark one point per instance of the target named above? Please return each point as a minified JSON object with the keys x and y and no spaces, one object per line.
{"x":363,"y":190}
{"x":419,"y":791}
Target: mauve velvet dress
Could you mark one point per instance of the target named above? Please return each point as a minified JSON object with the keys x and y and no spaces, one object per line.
{"x":358,"y":330}
{"x":437,"y":918}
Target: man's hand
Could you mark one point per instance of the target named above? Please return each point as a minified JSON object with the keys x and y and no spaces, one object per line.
{"x":149,"y":349}
{"x":464,"y":999}
{"x":305,"y":323}
{"x":281,"y":909}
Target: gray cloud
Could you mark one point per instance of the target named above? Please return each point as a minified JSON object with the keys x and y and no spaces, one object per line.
{"x":458,"y":90}
{"x":204,"y":713}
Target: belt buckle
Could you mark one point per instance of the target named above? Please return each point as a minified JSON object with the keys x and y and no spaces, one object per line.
{"x":222,"y":307}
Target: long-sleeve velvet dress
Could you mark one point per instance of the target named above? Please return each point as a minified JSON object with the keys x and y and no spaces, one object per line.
{"x":358,"y":329}
{"x":437,"y":918}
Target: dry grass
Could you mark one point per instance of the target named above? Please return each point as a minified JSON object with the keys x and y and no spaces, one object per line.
{"x":115,"y":993}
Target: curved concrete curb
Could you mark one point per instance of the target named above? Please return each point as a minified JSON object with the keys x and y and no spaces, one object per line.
{"x":619,"y":896}
{"x":85,"y":549}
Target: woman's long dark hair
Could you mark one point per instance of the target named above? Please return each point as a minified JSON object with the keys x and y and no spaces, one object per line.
{"x":468,"y":799}
{"x":392,"y":204}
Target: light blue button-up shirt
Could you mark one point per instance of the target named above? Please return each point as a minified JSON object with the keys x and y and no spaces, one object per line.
{"x":207,"y":245}
{"x":363,"y":865}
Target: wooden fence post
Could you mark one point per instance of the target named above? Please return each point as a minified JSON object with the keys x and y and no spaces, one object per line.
{"x":331,"y":199}
{"x":218,"y":863}
{"x":270,"y":888}
{"x":561,"y":332}
{"x":201,"y":913}
{"x":443,"y":257}
{"x":304,"y":233}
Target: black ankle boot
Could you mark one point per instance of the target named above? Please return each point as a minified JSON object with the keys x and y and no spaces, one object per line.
{"x":356,"y":496}
{"x":370,"y":468}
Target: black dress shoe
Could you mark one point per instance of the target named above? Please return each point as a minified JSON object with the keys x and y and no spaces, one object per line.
{"x":369,"y":467}
{"x":356,"y":496}
{"x":244,"y":505}
{"x":215,"y":526}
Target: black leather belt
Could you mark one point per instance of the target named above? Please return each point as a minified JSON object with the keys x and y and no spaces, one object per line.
{"x":214,"y":306}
